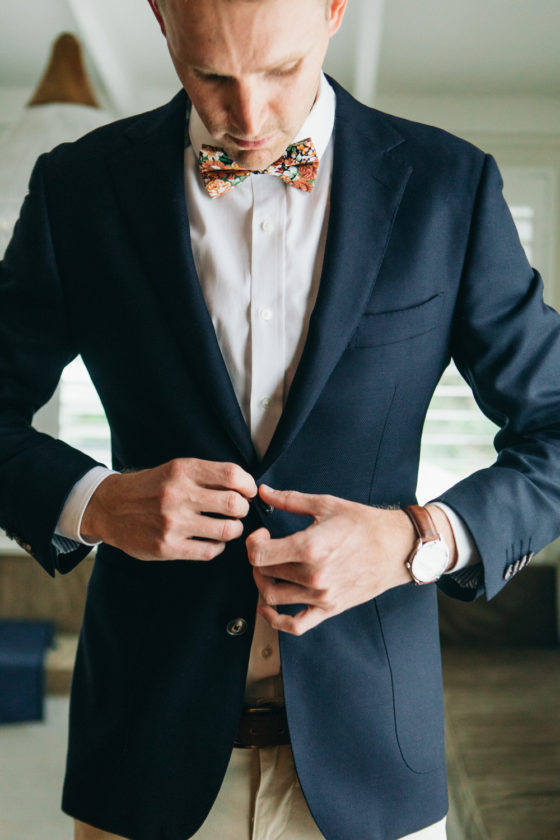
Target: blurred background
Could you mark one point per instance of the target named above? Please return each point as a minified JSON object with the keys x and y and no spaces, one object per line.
{"x":487,"y":70}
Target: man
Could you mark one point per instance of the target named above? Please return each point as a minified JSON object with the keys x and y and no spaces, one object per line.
{"x":283,"y":326}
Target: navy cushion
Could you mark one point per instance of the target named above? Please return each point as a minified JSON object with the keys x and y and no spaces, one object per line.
{"x":22,"y":675}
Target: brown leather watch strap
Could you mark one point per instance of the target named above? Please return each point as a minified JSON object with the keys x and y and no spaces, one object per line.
{"x":423,"y":522}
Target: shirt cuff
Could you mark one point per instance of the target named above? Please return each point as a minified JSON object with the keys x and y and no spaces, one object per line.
{"x":467,"y":552}
{"x":70,"y":519}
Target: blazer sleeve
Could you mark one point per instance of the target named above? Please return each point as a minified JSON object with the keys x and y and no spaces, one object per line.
{"x":36,"y":342}
{"x":506,"y":343}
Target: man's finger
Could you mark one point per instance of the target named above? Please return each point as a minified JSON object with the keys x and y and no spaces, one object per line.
{"x":199,"y":550}
{"x":256,"y":539}
{"x":307,"y":504}
{"x":296,"y":625}
{"x":226,"y":502}
{"x":222,"y":530}
{"x":297,"y":573}
{"x":279,"y":592}
{"x":264,"y":551}
{"x":221,"y":475}
{"x":236,"y":478}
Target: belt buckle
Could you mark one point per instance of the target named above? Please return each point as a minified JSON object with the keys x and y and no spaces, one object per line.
{"x":256,"y":712}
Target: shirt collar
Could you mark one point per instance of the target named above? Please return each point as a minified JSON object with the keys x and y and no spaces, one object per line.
{"x":318,"y":125}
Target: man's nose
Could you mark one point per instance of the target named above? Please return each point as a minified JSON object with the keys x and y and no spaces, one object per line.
{"x":248,"y":110}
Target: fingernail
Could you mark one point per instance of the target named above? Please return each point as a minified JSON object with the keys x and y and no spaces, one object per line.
{"x":266,"y":487}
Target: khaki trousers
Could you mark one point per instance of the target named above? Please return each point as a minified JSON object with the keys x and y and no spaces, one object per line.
{"x":260,"y":799}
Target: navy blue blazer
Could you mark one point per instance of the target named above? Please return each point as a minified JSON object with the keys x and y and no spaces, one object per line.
{"x":422,"y":264}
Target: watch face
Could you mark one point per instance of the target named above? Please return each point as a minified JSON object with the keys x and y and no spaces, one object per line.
{"x":430,"y":561}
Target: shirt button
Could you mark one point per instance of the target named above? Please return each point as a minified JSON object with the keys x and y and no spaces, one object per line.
{"x":265,"y":314}
{"x":266,"y":402}
{"x":267,"y":226}
{"x":266,"y":652}
{"x":236,"y":627}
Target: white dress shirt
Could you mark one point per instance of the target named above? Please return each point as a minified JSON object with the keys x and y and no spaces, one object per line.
{"x":258,"y":252}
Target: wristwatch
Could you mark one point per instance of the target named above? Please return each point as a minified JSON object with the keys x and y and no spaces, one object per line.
{"x":429,"y":558}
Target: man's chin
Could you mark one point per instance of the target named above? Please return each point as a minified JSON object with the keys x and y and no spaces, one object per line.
{"x":254,"y":159}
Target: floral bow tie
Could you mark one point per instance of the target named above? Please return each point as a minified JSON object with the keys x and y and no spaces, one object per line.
{"x":297,"y":167}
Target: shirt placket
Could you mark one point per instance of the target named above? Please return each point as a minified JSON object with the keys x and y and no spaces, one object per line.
{"x":268,"y":358}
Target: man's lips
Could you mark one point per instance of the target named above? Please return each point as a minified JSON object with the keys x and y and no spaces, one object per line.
{"x":250,"y":144}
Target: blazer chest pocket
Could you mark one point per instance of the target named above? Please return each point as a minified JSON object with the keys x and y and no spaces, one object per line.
{"x":377,"y":328}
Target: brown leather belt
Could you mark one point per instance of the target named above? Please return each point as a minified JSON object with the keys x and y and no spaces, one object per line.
{"x":262,"y":726}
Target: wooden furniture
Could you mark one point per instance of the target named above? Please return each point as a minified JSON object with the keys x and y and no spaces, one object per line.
{"x":501,"y":665}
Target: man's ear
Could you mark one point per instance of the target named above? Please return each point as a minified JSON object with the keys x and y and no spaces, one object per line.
{"x":335,"y":15}
{"x":157,"y":13}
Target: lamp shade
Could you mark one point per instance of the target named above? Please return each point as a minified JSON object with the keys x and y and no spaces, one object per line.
{"x":62,"y":109}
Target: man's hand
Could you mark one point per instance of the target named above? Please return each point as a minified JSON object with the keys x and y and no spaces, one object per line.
{"x":351,"y":553}
{"x":159,"y":513}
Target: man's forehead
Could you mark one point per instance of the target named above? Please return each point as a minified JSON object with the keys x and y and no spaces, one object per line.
{"x":226,"y":37}
{"x":163,"y":3}
{"x":196,"y":5}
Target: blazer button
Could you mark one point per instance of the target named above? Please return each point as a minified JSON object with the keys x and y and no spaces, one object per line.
{"x":237,"y":627}
{"x":263,"y":506}
{"x":508,"y":572}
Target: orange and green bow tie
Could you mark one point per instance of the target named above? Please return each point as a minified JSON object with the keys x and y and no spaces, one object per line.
{"x":297,"y":167}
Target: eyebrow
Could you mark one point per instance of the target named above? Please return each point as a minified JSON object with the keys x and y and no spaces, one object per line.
{"x":212,"y":72}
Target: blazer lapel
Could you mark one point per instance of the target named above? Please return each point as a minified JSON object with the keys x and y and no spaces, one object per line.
{"x":148,"y":177}
{"x":368,"y":184}
{"x":367,"y":187}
